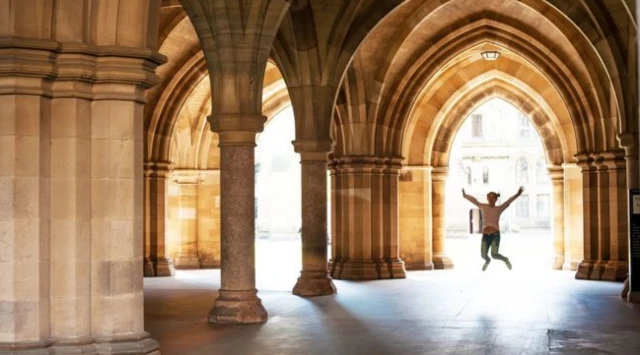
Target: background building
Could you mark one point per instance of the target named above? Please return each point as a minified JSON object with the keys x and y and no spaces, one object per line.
{"x":497,"y":149}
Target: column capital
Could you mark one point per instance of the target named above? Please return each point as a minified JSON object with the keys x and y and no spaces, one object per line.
{"x":157,"y":169}
{"x":237,"y":128}
{"x":312,"y":150}
{"x":556,"y":173}
{"x":367,"y":164}
{"x":439,"y":173}
{"x":612,"y":160}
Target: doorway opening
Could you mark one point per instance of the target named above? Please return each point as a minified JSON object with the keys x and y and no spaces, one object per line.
{"x":498,"y":149}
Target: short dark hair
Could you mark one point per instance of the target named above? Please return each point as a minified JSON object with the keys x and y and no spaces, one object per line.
{"x":494,"y":193}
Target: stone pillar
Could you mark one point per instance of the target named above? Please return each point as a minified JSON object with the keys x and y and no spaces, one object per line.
{"x":70,"y":223}
{"x":187,"y":214}
{"x":415,"y":217}
{"x":616,"y":262}
{"x":366,"y":237}
{"x":157,"y":261}
{"x":237,"y":300}
{"x":314,"y":278}
{"x":209,"y":219}
{"x":557,"y":180}
{"x":117,"y":317}
{"x":438,"y":179}
{"x":24,"y":208}
{"x":590,"y":215}
{"x":601,"y":234}
{"x":573,"y":212}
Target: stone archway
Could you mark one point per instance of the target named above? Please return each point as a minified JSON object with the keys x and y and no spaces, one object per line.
{"x":397,"y":102}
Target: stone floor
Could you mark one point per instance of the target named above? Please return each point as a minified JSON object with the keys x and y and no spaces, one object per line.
{"x":438,"y":312}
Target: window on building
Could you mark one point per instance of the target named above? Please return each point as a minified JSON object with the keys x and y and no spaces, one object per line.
{"x":469,"y":178}
{"x":522,"y":171}
{"x":541,"y":171}
{"x":524,"y":126}
{"x":522,"y":207}
{"x":485,"y":175}
{"x":542,"y":206}
{"x":476,"y":126}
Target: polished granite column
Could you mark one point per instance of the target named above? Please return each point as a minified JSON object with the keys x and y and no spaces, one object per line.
{"x":237,"y":300}
{"x":314,"y":278}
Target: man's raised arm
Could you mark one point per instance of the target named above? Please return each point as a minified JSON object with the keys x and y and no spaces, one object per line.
{"x":470,"y":198}
{"x":512,"y":198}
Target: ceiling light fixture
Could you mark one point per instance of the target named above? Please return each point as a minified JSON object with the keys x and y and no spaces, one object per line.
{"x":490,"y":55}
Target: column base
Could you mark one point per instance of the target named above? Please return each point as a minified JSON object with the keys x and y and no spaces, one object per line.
{"x":187,"y":262}
{"x":26,"y":348}
{"x":442,"y":262}
{"x":314,"y":283}
{"x":558,"y":263}
{"x":392,"y":269}
{"x":74,"y":346}
{"x":147,"y":268}
{"x":615,"y":271}
{"x":164,"y":267}
{"x":238,"y":307}
{"x":421,"y":265}
{"x":584,"y":270}
{"x":598,"y":270}
{"x":355,"y":270}
{"x":127,"y":345}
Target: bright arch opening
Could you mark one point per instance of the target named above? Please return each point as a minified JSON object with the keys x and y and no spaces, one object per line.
{"x":498,"y":149}
{"x":278,"y":204}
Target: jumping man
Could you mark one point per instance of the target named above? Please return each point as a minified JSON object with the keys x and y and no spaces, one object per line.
{"x":491,"y":224}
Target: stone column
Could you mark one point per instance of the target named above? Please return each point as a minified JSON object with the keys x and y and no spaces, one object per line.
{"x":24,"y":207}
{"x":237,"y":300}
{"x":601,"y":234}
{"x":70,"y":225}
{"x":157,"y":261}
{"x":314,"y":278}
{"x":557,"y":180}
{"x":573,"y":211}
{"x":616,"y":267}
{"x":187,"y":214}
{"x":590,"y":215}
{"x":367,"y":241}
{"x":438,"y":179}
{"x":117,"y":200}
{"x":415,"y":217}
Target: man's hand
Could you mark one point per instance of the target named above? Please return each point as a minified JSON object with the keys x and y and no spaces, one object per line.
{"x":464,"y":193}
{"x":520,"y":190}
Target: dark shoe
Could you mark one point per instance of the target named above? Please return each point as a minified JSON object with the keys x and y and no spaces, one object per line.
{"x":484,"y":267}
{"x":508,"y":264}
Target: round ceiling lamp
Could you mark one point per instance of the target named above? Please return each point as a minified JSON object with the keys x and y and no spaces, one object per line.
{"x":490,"y":55}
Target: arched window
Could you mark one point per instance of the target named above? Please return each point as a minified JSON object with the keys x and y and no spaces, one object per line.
{"x":522,"y":171}
{"x":485,"y":175}
{"x":469,"y":180}
{"x":541,"y":170}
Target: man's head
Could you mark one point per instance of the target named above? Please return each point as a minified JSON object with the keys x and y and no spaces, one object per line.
{"x":492,"y":197}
